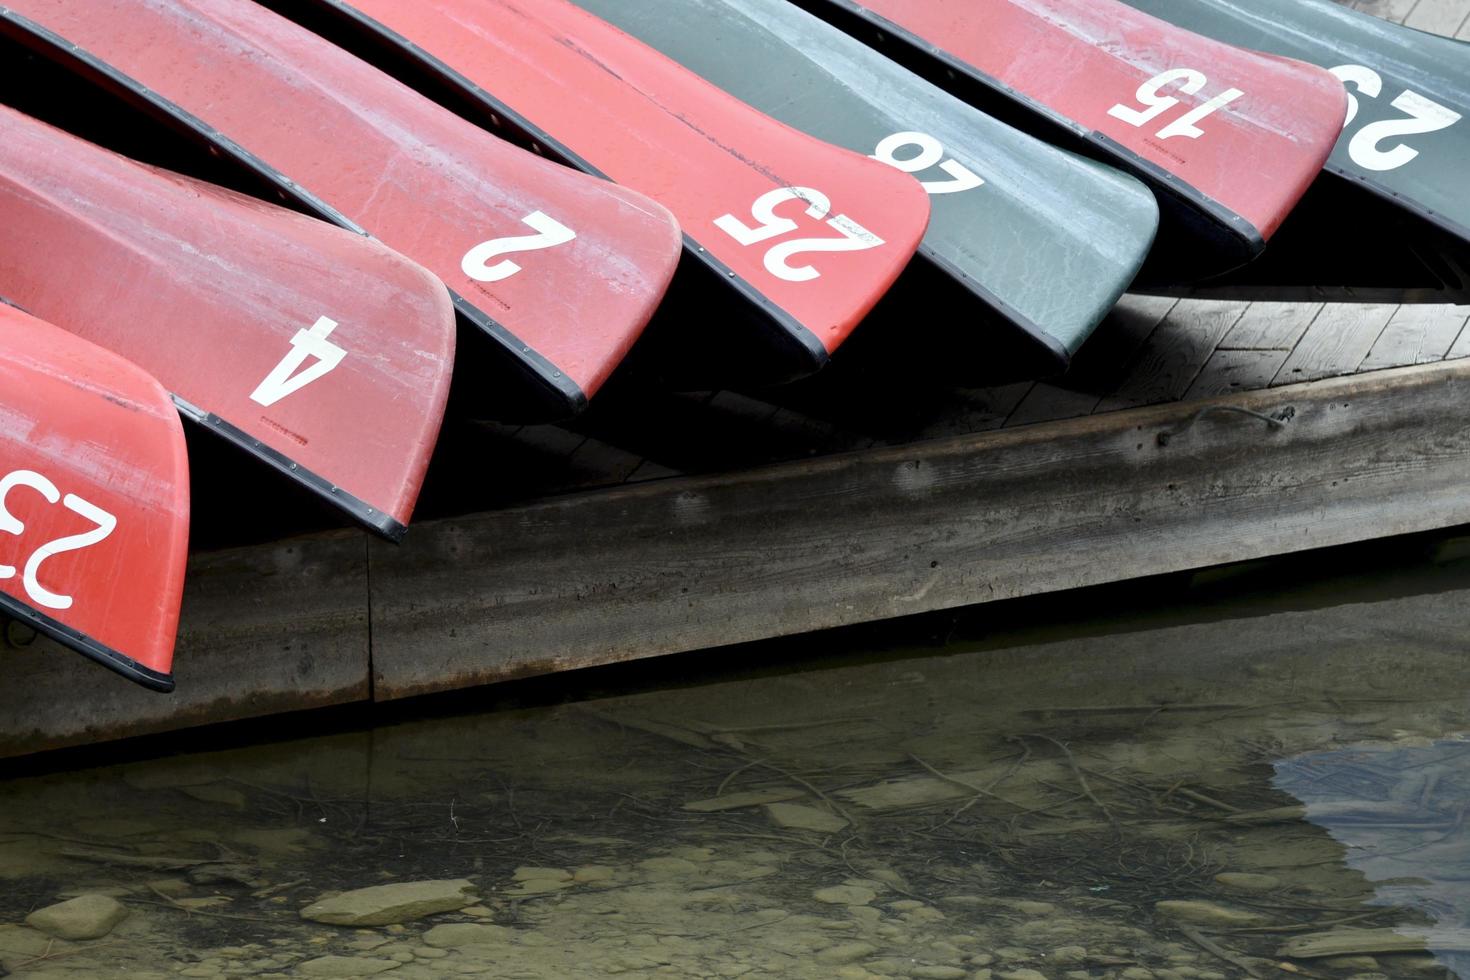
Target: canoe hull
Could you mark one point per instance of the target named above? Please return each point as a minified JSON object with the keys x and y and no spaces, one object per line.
{"x":805,"y":234}
{"x":557,"y":273}
{"x":317,"y":350}
{"x":94,"y":500}
{"x":1178,"y":110}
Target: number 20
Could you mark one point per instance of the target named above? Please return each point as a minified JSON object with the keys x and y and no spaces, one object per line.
{"x":1189,"y":82}
{"x":931,"y":154}
{"x":105,"y":524}
{"x":855,"y":238}
{"x":1424,"y":116}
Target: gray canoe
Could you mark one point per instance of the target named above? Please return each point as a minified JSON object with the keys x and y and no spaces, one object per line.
{"x":1045,"y":239}
{"x":1407,"y":139}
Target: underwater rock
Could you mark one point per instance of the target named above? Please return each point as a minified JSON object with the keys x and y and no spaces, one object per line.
{"x":381,"y":905}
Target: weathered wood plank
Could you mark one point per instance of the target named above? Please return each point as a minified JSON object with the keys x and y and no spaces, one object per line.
{"x":1439,"y":16}
{"x":1097,"y":369}
{"x":1271,"y":326}
{"x":1175,"y":352}
{"x":1230,"y":371}
{"x":1417,"y":335}
{"x":1339,"y":340}
{"x":265,"y":630}
{"x":693,"y":563}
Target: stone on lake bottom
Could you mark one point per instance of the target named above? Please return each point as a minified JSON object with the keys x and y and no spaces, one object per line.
{"x":381,"y":905}
{"x":453,"y":935}
{"x":83,"y":917}
{"x":1207,"y":913}
{"x":845,"y":895}
{"x":797,"y":817}
{"x":346,"y":966}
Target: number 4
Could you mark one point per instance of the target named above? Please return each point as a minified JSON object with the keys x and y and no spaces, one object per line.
{"x":291,"y":375}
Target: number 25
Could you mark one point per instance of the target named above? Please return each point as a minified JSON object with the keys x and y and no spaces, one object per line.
{"x":1424,"y":116}
{"x":855,"y":238}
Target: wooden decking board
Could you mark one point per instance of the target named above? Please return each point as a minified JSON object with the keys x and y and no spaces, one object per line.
{"x":1417,"y":335}
{"x":1099,"y":366}
{"x":1345,"y":333}
{"x":1176,"y":351}
{"x":1440,"y":17}
{"x":1271,"y":326}
{"x":1232,"y":370}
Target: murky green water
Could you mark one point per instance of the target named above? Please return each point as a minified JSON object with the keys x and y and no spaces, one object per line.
{"x":1256,"y":772}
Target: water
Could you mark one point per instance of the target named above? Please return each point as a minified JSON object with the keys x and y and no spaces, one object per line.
{"x":1257,"y":771}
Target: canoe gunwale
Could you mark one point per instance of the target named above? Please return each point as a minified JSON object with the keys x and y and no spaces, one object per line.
{"x":368,"y":517}
{"x":84,"y":644}
{"x":556,"y":390}
{"x":809,"y":346}
{"x":1249,"y":238}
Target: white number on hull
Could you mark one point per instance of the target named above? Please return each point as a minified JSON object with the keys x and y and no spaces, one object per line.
{"x":855,"y":238}
{"x":549,"y":233}
{"x":293,"y":373}
{"x":1422,"y":116}
{"x":931,"y":154}
{"x":30,"y":574}
{"x":1189,"y":82}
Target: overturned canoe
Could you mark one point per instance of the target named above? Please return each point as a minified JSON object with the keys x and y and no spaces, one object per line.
{"x":94,"y":500}
{"x":809,"y":234}
{"x":1407,"y":136}
{"x":318,"y":351}
{"x":560,"y":271}
{"x":1229,"y":139}
{"x":1047,"y":240}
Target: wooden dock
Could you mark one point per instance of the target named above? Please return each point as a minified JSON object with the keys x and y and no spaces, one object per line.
{"x":1189,"y":433}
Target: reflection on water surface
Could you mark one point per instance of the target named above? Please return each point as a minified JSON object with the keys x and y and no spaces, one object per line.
{"x":1254,"y":772}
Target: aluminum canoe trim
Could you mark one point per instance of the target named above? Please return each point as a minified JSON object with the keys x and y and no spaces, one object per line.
{"x":558,"y":391}
{"x":85,"y":645}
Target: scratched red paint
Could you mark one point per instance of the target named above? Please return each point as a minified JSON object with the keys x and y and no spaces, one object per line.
{"x":1079,"y":58}
{"x":426,"y":182}
{"x":98,"y":428}
{"x":647,"y":122}
{"x":207,"y":289}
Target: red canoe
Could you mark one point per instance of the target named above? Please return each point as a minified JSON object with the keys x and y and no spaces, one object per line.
{"x":1238,"y":135}
{"x":317,"y":350}
{"x":94,"y":499}
{"x":812,"y":233}
{"x":560,"y":270}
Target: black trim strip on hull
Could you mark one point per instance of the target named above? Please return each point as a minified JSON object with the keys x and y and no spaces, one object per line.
{"x":564,"y":394}
{"x":809,"y":346}
{"x":82,"y":643}
{"x":1245,"y":235}
{"x":370,"y":518}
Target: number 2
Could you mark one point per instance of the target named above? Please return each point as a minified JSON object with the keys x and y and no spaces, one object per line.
{"x":549,"y":233}
{"x":30,"y":576}
{"x":1189,"y":82}
{"x":855,"y":237}
{"x":291,"y":375}
{"x":931,"y":153}
{"x":1424,"y":116}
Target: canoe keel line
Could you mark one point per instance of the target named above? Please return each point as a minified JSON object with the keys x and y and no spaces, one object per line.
{"x":94,"y":500}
